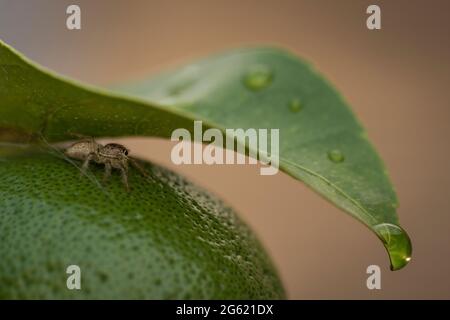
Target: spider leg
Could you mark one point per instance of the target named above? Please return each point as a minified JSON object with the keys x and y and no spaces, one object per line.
{"x":124,"y":173}
{"x":85,"y":165}
{"x":81,"y":136}
{"x":78,"y":135}
{"x":107,"y":171}
{"x":136,"y":164}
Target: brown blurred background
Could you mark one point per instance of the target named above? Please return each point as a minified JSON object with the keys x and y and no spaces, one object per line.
{"x":396,"y":79}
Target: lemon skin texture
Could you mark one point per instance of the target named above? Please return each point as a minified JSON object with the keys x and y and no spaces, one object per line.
{"x":165,"y":239}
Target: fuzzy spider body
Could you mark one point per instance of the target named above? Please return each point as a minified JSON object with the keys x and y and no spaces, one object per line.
{"x":111,"y":155}
{"x":81,"y":149}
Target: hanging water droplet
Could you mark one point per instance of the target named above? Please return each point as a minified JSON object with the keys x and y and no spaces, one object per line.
{"x":295,"y":105}
{"x":397,"y":243}
{"x":336,"y":156}
{"x":258,"y":78}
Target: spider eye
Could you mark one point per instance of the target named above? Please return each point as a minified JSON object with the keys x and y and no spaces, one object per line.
{"x":126,"y":152}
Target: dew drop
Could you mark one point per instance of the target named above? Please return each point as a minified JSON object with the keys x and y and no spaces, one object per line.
{"x":258,"y":78}
{"x":295,"y":105}
{"x":336,"y":156}
{"x":397,"y":243}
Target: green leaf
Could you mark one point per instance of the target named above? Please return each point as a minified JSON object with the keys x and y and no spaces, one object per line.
{"x":321,"y":143}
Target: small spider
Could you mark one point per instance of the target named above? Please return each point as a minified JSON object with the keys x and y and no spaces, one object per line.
{"x":112,"y":155}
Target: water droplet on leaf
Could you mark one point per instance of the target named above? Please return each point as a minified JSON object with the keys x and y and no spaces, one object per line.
{"x":336,"y":156}
{"x":258,"y":78}
{"x":396,"y":242}
{"x":295,"y":105}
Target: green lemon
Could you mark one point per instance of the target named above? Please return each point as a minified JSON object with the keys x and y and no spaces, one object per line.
{"x":165,"y":239}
